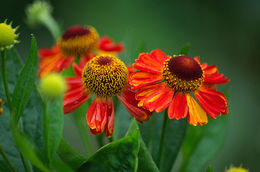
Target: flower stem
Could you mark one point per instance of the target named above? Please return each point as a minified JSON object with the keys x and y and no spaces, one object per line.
{"x":50,"y":23}
{"x":162,"y":138}
{"x":4,"y":75}
{"x":12,"y":168}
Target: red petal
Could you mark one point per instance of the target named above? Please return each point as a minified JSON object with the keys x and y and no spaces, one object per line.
{"x":74,"y":98}
{"x":213,"y":102}
{"x":216,"y":78}
{"x":158,"y":100}
{"x":151,"y":62}
{"x":140,"y":79}
{"x":100,"y":116}
{"x":178,"y":108}
{"x":128,"y":100}
{"x":107,"y":44}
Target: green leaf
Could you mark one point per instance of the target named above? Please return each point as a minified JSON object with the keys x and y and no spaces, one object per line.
{"x":25,"y":82}
{"x":120,"y":155}
{"x":70,"y":156}
{"x":14,"y":66}
{"x":53,"y":126}
{"x":61,"y":166}
{"x":174,"y":136}
{"x":202,"y":143}
{"x":27,"y":148}
{"x":145,"y":160}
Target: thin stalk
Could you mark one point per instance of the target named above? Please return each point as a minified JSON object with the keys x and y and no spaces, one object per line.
{"x":12,"y":168}
{"x":4,"y":75}
{"x":51,"y":24}
{"x":162,"y":138}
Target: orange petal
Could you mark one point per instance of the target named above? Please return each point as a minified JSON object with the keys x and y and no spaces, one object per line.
{"x":196,"y":114}
{"x":151,"y":62}
{"x":216,"y":78}
{"x":140,"y":79}
{"x":178,"y":108}
{"x":159,"y":100}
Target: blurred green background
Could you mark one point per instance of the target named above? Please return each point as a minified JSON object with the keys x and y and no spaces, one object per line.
{"x":222,"y":32}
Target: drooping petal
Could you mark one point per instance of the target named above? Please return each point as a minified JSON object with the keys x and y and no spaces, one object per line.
{"x":127,"y":98}
{"x":178,"y":108}
{"x":213,"y":102}
{"x":196,"y":114}
{"x":152,"y":62}
{"x":140,"y":79}
{"x":158,"y":100}
{"x":74,"y":98}
{"x":100,"y":116}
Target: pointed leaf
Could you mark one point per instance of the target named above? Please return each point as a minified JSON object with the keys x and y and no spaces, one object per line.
{"x":145,"y":160}
{"x":25,"y":82}
{"x":70,"y":156}
{"x":120,"y":155}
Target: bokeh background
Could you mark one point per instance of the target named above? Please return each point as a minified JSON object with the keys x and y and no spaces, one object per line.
{"x":222,"y":32}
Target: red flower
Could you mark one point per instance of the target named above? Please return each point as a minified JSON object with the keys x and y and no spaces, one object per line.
{"x":77,"y":41}
{"x":165,"y":81}
{"x":104,"y":76}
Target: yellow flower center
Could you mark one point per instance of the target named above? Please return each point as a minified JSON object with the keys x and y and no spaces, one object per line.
{"x":78,"y":40}
{"x":182,"y":73}
{"x":105,"y":76}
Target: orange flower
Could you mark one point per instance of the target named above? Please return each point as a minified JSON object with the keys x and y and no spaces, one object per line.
{"x":77,"y":41}
{"x":104,"y":76}
{"x":169,"y":81}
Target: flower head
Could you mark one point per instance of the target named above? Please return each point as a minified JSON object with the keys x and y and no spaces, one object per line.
{"x":55,"y":60}
{"x":171,"y":81}
{"x":104,"y":76}
{"x":52,"y":85}
{"x":7,"y":36}
{"x":78,"y":41}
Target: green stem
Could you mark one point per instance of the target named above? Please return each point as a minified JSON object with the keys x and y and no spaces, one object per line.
{"x":4,"y":74}
{"x":100,"y":140}
{"x":162,"y":138}
{"x":49,"y":22}
{"x":12,"y":168}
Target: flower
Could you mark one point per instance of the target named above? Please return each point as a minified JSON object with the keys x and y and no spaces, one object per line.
{"x":52,"y":85}
{"x":169,"y":81}
{"x":7,"y":36}
{"x":1,"y":104}
{"x":75,"y":41}
{"x":104,"y":76}
{"x":78,"y":41}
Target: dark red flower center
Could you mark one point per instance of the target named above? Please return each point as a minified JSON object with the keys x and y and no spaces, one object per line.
{"x":75,"y":31}
{"x":185,"y":68}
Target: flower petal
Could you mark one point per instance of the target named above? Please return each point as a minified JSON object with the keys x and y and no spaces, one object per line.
{"x":178,"y":108}
{"x":140,"y":79}
{"x":196,"y":114}
{"x":100,"y":116}
{"x":108,"y":45}
{"x":159,"y":99}
{"x":213,"y":102}
{"x":152,"y":62}
{"x":127,"y":98}
{"x":216,"y":78}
